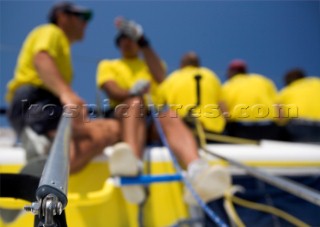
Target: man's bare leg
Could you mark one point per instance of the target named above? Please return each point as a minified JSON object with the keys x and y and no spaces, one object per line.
{"x":89,"y":139}
{"x":210,"y":182}
{"x":124,"y":159}
{"x":179,"y":137}
{"x":133,"y":125}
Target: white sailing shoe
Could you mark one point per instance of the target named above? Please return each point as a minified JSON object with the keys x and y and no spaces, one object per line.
{"x":122,"y":162}
{"x":35,"y":145}
{"x":209,"y":182}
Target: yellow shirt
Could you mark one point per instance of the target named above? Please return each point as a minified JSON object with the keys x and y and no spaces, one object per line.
{"x":250,"y":97}
{"x":301,"y":99}
{"x":179,"y":92}
{"x":51,"y":39}
{"x":125,"y":73}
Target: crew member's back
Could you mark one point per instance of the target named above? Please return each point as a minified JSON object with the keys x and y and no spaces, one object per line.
{"x":250,"y":103}
{"x":300,"y":106}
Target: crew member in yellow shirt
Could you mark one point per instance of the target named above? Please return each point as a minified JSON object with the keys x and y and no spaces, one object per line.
{"x":41,"y":91}
{"x":196,"y":89}
{"x":300,"y":106}
{"x":250,"y":102}
{"x":126,"y":81}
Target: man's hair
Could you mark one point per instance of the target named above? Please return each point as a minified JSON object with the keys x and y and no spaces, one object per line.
{"x":293,"y":75}
{"x":69,"y":8}
{"x":190,"y":59}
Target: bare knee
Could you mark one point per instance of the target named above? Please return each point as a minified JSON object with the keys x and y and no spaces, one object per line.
{"x":106,"y":132}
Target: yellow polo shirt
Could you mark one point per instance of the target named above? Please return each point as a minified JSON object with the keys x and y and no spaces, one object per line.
{"x":301,"y":99}
{"x":51,"y":39}
{"x":250,"y":98}
{"x":125,"y":72}
{"x":179,"y":92}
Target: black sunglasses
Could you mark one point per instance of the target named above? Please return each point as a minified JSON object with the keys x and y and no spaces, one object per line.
{"x":83,"y":16}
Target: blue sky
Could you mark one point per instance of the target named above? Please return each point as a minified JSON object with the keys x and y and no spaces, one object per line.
{"x":272,"y":36}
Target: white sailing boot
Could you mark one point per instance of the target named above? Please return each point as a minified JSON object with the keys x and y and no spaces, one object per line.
{"x":122,"y":162}
{"x":209,"y":182}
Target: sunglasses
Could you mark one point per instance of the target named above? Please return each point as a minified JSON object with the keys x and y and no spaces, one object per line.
{"x":83,"y":16}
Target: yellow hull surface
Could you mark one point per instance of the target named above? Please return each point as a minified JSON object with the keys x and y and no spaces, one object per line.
{"x":95,"y":201}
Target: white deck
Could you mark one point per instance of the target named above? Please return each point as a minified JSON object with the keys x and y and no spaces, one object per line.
{"x":273,"y":156}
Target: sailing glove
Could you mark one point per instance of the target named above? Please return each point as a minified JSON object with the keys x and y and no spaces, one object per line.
{"x":139,"y":88}
{"x":132,"y":30}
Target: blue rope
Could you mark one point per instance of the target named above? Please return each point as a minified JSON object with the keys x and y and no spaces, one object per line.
{"x":149,"y":179}
{"x":215,"y":218}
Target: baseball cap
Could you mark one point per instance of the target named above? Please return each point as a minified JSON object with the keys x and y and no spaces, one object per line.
{"x":238,"y":64}
{"x":71,"y":8}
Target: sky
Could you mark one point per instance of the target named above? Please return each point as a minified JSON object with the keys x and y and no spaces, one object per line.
{"x":271,"y":36}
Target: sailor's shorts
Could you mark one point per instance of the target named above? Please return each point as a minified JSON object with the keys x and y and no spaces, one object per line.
{"x":34,"y":107}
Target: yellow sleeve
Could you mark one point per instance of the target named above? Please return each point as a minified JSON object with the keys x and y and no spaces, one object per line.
{"x":272,"y":90}
{"x":104,"y":73}
{"x":217,"y":85}
{"x":280,"y":99}
{"x":161,"y":91}
{"x":49,"y":40}
{"x":224,"y":92}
